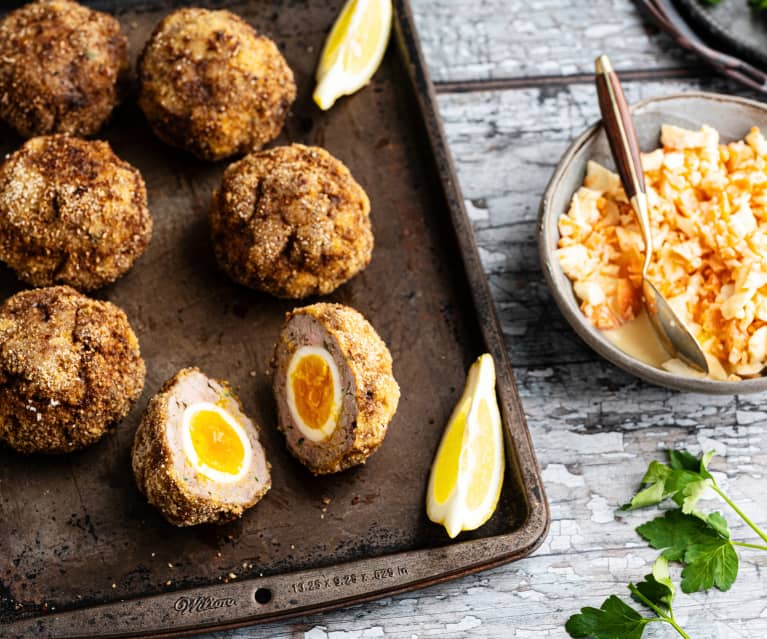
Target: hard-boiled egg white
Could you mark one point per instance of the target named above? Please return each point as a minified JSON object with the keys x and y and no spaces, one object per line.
{"x":314,"y":392}
{"x":215,"y":443}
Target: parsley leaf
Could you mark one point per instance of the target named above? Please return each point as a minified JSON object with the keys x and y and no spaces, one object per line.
{"x":655,"y":487}
{"x":691,"y":494}
{"x":617,"y":620}
{"x":613,"y":620}
{"x":657,"y":588}
{"x":704,"y":547}
{"x":719,"y":523}
{"x":710,"y":564}
{"x":683,"y":460}
{"x":684,"y":479}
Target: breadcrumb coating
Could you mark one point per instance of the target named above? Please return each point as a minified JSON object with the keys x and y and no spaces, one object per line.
{"x":213,"y":86}
{"x":291,"y":221}
{"x":70,"y":369}
{"x":71,"y":212}
{"x":63,"y":68}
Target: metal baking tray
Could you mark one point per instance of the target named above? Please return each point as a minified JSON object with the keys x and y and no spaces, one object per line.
{"x":84,"y":555}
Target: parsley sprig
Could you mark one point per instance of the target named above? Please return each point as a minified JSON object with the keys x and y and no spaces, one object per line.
{"x":702,"y":542}
{"x":615,"y":619}
{"x":684,"y":480}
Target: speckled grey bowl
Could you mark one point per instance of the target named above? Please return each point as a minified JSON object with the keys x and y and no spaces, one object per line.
{"x":732,"y":117}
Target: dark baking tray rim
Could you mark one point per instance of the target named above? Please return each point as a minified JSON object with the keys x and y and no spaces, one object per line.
{"x":263,"y":599}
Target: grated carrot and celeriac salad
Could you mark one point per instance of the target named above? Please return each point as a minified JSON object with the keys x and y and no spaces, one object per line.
{"x":708,"y":211}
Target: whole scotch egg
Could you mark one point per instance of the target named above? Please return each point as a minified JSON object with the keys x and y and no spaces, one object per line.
{"x":196,"y":455}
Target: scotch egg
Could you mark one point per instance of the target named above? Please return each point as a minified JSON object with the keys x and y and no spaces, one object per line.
{"x":334,"y":387}
{"x":196,"y":455}
{"x":210,"y":84}
{"x":291,"y":221}
{"x":70,"y":370}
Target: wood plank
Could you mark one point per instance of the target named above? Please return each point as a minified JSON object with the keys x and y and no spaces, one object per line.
{"x":491,"y":39}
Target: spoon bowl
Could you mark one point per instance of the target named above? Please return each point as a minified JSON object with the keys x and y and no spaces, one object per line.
{"x":673,"y":334}
{"x":621,"y":135}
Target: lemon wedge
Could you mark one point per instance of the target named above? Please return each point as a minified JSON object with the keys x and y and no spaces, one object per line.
{"x":467,"y":473}
{"x":353,"y":51}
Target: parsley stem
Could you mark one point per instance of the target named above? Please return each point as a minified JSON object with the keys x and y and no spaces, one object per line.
{"x":741,"y":514}
{"x":678,"y":628}
{"x":743,"y":544}
{"x":662,"y":616}
{"x":638,"y":594}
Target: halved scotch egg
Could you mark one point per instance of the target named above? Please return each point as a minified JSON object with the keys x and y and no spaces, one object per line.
{"x":334,"y":387}
{"x":196,"y":455}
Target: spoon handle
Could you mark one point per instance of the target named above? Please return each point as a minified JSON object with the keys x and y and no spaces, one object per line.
{"x":619,"y":127}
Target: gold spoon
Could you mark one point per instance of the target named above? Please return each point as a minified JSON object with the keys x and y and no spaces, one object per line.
{"x":616,"y":118}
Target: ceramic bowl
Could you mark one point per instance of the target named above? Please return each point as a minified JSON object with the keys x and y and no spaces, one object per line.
{"x":732,"y":117}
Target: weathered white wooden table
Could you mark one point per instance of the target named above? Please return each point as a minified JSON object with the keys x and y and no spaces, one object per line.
{"x":514,"y":78}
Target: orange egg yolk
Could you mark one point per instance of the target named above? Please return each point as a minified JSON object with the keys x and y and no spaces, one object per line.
{"x":217,"y":444}
{"x":312,"y":382}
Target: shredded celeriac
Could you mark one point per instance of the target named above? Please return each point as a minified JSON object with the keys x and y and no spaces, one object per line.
{"x":708,"y":210}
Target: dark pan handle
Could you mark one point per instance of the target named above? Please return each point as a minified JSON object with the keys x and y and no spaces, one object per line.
{"x":619,"y":127}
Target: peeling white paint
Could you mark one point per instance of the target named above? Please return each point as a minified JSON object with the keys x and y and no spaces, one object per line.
{"x":558,"y":474}
{"x":492,"y":259}
{"x":530,"y":595}
{"x":630,"y":561}
{"x":476,"y":213}
{"x":601,"y":511}
{"x":750,"y":416}
{"x":707,"y":443}
{"x":535,"y":632}
{"x":591,"y":443}
{"x":321,"y":632}
{"x":467,"y":623}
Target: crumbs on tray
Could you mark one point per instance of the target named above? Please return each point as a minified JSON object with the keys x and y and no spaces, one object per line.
{"x":708,"y":210}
